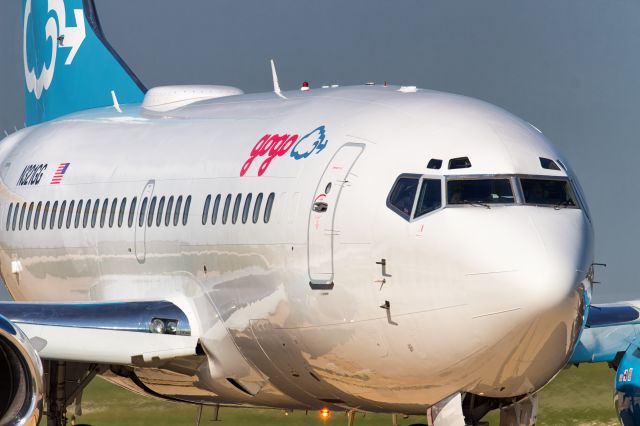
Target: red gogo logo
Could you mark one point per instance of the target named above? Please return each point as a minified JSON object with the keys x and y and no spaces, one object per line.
{"x":272,"y":146}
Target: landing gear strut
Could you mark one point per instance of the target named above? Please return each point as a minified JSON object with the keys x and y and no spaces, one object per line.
{"x":64,"y":383}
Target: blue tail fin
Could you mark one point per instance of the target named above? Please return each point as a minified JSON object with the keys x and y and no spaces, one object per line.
{"x":68,"y":64}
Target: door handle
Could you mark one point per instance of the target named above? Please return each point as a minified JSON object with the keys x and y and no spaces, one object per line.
{"x":320,"y":206}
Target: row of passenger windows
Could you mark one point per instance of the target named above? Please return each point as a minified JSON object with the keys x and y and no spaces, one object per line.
{"x":155,"y":211}
{"x":235,"y":205}
{"x":98,"y":213}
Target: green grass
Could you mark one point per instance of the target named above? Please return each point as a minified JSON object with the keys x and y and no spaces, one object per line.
{"x":578,"y":396}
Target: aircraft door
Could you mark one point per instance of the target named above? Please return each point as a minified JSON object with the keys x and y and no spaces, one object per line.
{"x":140,"y":222}
{"x":321,"y":232}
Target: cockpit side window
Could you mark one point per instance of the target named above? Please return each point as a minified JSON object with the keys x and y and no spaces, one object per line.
{"x":430,"y":197}
{"x":403,"y":194}
{"x":554,"y":192}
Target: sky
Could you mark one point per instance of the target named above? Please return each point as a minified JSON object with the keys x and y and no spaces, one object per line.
{"x":570,"y":67}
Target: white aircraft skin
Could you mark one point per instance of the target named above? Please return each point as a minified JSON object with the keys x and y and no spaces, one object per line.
{"x":482,"y":300}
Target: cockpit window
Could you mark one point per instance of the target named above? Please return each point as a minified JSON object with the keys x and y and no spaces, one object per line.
{"x":430,"y":197}
{"x":459,"y":163}
{"x":555,"y":192}
{"x":434,"y":163}
{"x":479,"y":191}
{"x":403,"y":194}
{"x":426,"y":192}
{"x":547,"y":163}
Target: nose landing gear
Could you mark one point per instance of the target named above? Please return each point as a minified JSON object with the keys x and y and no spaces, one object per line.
{"x":521,"y":413}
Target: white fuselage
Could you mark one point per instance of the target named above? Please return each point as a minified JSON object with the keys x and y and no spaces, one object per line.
{"x":472,"y":299}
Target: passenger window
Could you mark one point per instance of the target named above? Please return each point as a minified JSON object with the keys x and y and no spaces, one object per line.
{"x":76,"y":222}
{"x":36,"y":217}
{"x":247,"y":207}
{"x":63,"y":208}
{"x":9,"y":215}
{"x":225,"y":210}
{"x":402,"y":195}
{"x":176,"y":213}
{"x":205,"y":211}
{"x":216,"y":205}
{"x":160,"y":212}
{"x":167,"y":217}
{"x":123,"y":209}
{"x":143,"y":211}
{"x":256,"y":208}
{"x":268,"y":207}
{"x":96,"y":209}
{"x":70,"y":213}
{"x":45,"y":215}
{"x":132,"y":211}
{"x":430,"y":197}
{"x":54,"y":213}
{"x":112,"y":212}
{"x":152,"y":211}
{"x":29,"y":215}
{"x":94,"y":214}
{"x":87,"y":211}
{"x":236,"y":208}
{"x":14,"y":221}
{"x":23,"y":210}
{"x":185,"y":213}
{"x":103,"y":213}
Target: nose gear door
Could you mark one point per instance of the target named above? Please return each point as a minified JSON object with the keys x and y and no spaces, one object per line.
{"x":321,"y":232}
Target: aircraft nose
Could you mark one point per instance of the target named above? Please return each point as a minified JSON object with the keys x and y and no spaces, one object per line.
{"x":526,"y":257}
{"x":539,"y":302}
{"x":559,"y":260}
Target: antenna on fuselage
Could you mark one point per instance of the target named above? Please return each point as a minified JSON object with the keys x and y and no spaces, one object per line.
{"x":116,"y":104}
{"x":276,"y":83}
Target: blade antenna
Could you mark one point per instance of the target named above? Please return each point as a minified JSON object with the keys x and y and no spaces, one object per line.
{"x":276,"y":83}
{"x":116,"y":104}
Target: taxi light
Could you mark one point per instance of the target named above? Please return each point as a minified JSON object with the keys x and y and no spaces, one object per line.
{"x":172,"y":327}
{"x":325,"y":413}
{"x":157,"y":326}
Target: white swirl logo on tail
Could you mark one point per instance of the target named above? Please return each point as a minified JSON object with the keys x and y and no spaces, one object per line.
{"x":60,"y":36}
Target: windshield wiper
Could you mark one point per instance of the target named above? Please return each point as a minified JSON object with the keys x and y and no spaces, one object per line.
{"x":476,"y":203}
{"x":564,"y":204}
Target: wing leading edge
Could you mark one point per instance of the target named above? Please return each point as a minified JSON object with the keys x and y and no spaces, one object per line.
{"x":612,"y":335}
{"x":610,"y":330}
{"x":112,"y":333}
